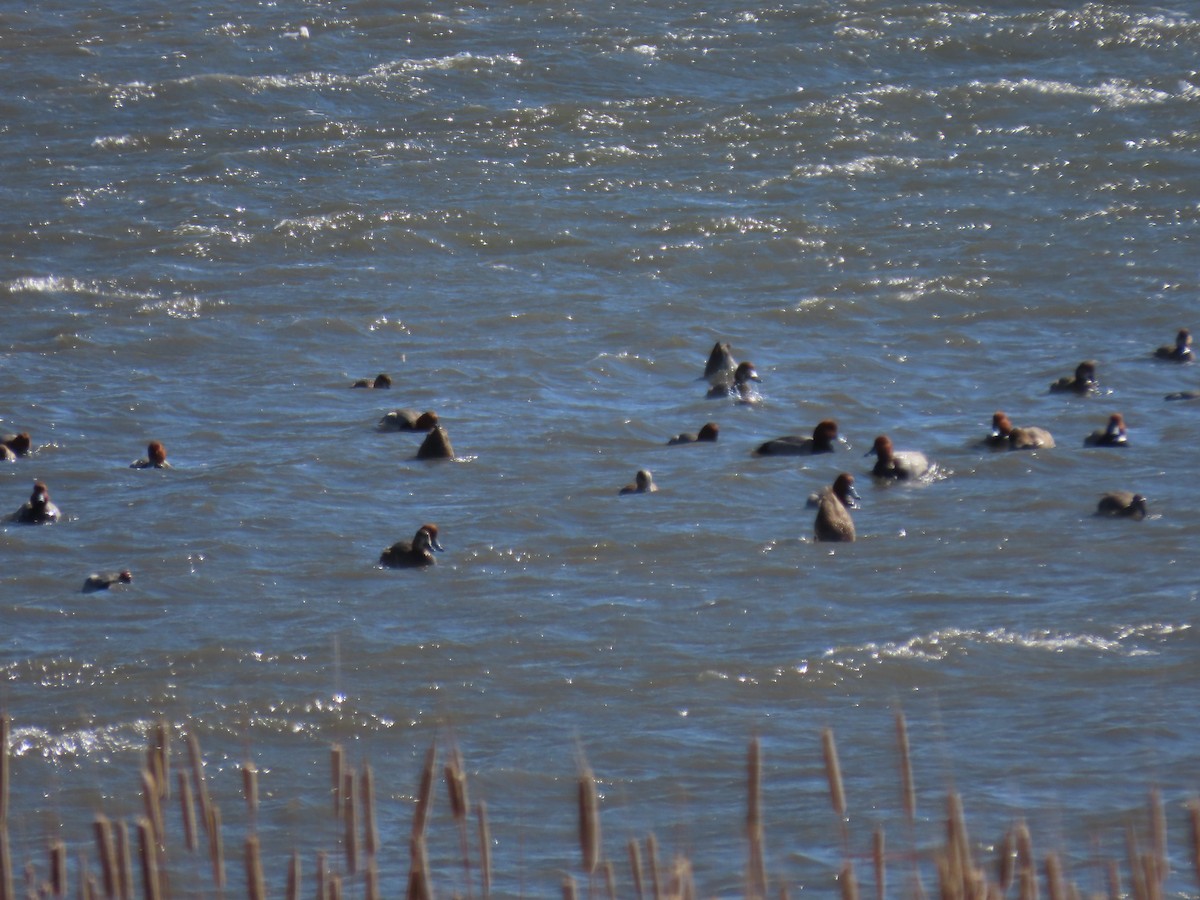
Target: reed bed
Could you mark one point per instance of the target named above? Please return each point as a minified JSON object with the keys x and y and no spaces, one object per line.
{"x":956,"y":867}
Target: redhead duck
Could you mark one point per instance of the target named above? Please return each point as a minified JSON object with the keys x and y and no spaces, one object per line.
{"x":644,"y":484}
{"x":38,"y":510}
{"x":1181,"y":352}
{"x":706,"y":434}
{"x":903,"y":464}
{"x":417,"y":552}
{"x":833,"y":522}
{"x":156,"y":457}
{"x":436,"y":445}
{"x":1113,"y":435}
{"x":1082,"y":382}
{"x":382,"y":382}
{"x":739,"y":387}
{"x":720,"y":363}
{"x":822,"y":441}
{"x":408,"y":420}
{"x":1006,"y":436}
{"x":1122,"y":503}
{"x":102,"y":581}
{"x":15,"y":444}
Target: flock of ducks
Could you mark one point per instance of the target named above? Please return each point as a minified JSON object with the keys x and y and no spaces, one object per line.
{"x":726,"y":378}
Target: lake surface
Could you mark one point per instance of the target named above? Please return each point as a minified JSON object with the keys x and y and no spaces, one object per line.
{"x":538,"y":219}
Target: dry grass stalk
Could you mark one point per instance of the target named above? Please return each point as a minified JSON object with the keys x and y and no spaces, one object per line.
{"x":5,"y":734}
{"x":848,"y":881}
{"x":151,"y":889}
{"x":187,"y":812}
{"x":652,"y":861}
{"x":456,"y":790}
{"x":371,"y":880}
{"x":216,"y":845}
{"x":756,"y":866}
{"x":1026,"y":865}
{"x":1193,"y":809}
{"x":58,"y":868}
{"x":610,"y":879}
{"x":350,"y":820}
{"x":158,"y":758}
{"x":255,"y":885}
{"x":1158,"y":836}
{"x":425,"y":794}
{"x":1137,"y":875}
{"x":6,"y":872}
{"x":907,"y":784}
{"x":635,"y":866}
{"x":106,"y":849}
{"x":196,"y":762}
{"x":1054,"y":878}
{"x":485,"y":850}
{"x":879,"y":854}
{"x":366,"y":786}
{"x":294,"y":877}
{"x":152,"y":805}
{"x":336,"y":764}
{"x":683,"y":882}
{"x":322,"y":876}
{"x":588,"y":804}
{"x":568,"y":888}
{"x":250,"y":786}
{"x":833,"y":773}
{"x":335,"y":886}
{"x":1113,"y":871}
{"x":418,"y":873}
{"x":1006,"y":854}
{"x":125,"y":861}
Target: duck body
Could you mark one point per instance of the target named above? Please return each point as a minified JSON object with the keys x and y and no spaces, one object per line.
{"x":833,"y":522}
{"x":38,"y":510}
{"x":382,"y":381}
{"x":1180,"y":352}
{"x":1114,"y":435}
{"x":156,"y":458}
{"x":900,"y":465}
{"x":1125,"y":504}
{"x":408,"y":420}
{"x":436,"y":445}
{"x":1082,"y":382}
{"x":1005,"y":436}
{"x":721,"y":363}
{"x":102,"y":581}
{"x":823,"y":439}
{"x":643,"y":484}
{"x":738,"y":385}
{"x":16,"y":445}
{"x":415,"y":553}
{"x":707,"y":434}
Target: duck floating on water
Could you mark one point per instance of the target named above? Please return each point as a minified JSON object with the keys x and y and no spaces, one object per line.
{"x":414,"y":553}
{"x":833,"y":522}
{"x":39,"y":509}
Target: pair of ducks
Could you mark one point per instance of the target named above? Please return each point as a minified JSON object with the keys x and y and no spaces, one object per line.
{"x":437,"y":442}
{"x":1005,"y":435}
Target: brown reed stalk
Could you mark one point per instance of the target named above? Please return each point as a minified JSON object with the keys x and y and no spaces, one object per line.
{"x":568,"y":888}
{"x":6,"y":870}
{"x":1113,"y":871}
{"x":196,"y":762}
{"x":152,"y":806}
{"x":322,"y":875}
{"x":336,"y":775}
{"x":187,"y":812}
{"x":107,"y":851}
{"x":158,"y":758}
{"x":1158,"y":836}
{"x":418,"y":873}
{"x":1026,"y":865}
{"x":1006,"y":852}
{"x":485,"y":850}
{"x":335,"y":886}
{"x":848,"y":881}
{"x":216,"y":846}
{"x":456,"y":790}
{"x":425,"y":794}
{"x":255,"y":885}
{"x":879,"y":855}
{"x":635,"y":866}
{"x":350,"y":820}
{"x":610,"y":880}
{"x":1054,"y":878}
{"x":908,"y":790}
{"x":833,"y":774}
{"x":371,"y":880}
{"x":366,"y":787}
{"x":5,"y":734}
{"x":294,"y":877}
{"x":125,"y":882}
{"x":250,"y":787}
{"x":1193,"y":808}
{"x":588,"y":807}
{"x":756,"y":866}
{"x":58,"y":867}
{"x":652,"y":860}
{"x":151,"y":888}
{"x":1137,"y":875}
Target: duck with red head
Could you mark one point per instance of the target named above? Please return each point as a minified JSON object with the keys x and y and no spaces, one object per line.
{"x":738,"y":386}
{"x":707,"y":434}
{"x":1113,"y":435}
{"x":414,"y":553}
{"x":898,"y":464}
{"x":643,"y":484}
{"x":102,"y":581}
{"x":1125,"y":504}
{"x":14,"y":445}
{"x":1082,"y":382}
{"x":39,"y":510}
{"x":382,"y":381}
{"x":156,"y":457}
{"x":408,"y":420}
{"x":1181,"y":352}
{"x":823,"y":440}
{"x":1005,"y":436}
{"x":833,"y":522}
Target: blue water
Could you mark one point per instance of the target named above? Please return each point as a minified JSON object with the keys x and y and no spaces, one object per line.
{"x":538,"y":221}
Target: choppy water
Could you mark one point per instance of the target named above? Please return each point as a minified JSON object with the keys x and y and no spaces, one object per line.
{"x":538,"y":219}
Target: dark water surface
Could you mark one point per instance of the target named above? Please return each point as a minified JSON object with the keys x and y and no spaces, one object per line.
{"x":538,"y":218}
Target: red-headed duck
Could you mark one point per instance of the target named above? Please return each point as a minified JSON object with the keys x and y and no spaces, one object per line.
{"x":1005,"y":436}
{"x":643,"y":484}
{"x":738,"y":386}
{"x":1122,"y":503}
{"x":382,"y":381}
{"x":833,"y":522}
{"x":17,"y":444}
{"x":39,"y":510}
{"x":156,"y":457}
{"x":891,"y":463}
{"x":417,"y":552}
{"x":436,"y":445}
{"x":1181,"y":352}
{"x":408,"y":420}
{"x":1082,"y":382}
{"x":1113,"y":435}
{"x":102,"y":581}
{"x":720,"y":362}
{"x":708,"y":433}
{"x":824,"y":436}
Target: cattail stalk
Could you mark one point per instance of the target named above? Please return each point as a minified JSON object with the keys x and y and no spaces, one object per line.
{"x":294,"y":877}
{"x":366,"y":787}
{"x":635,"y":866}
{"x":1054,"y":882}
{"x":216,"y":845}
{"x":151,"y":889}
{"x":350,"y":820}
{"x":58,"y":868}
{"x":6,"y":871}
{"x":456,"y":790}
{"x":371,"y":880}
{"x":485,"y":850}
{"x":848,"y":881}
{"x":187,"y":811}
{"x":5,"y":734}
{"x":124,"y":861}
{"x":322,"y":876}
{"x":833,"y":774}
{"x":196,"y":761}
{"x":1193,"y":809}
{"x":1158,"y":836}
{"x":255,"y":885}
{"x":107,"y":851}
{"x":568,"y":888}
{"x":879,"y":854}
{"x":652,"y":860}
{"x":589,"y":819}
{"x":250,"y":787}
{"x":907,"y":785}
{"x":336,"y":776}
{"x":756,"y":867}
{"x":425,"y":794}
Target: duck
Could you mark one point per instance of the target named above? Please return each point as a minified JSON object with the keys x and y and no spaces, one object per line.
{"x":39,"y":510}
{"x":1113,"y":435}
{"x":707,"y":434}
{"x":720,"y":362}
{"x":739,"y":387}
{"x":1181,"y":352}
{"x":414,"y":553}
{"x":1082,"y":382}
{"x":382,"y":381}
{"x":824,"y":435}
{"x":436,"y":445}
{"x":102,"y":581}
{"x":408,"y":420}
{"x":833,"y":522}
{"x":1122,"y":503}
{"x":901,"y":465}
{"x":643,"y":484}
{"x":16,"y":445}
{"x":1005,"y":435}
{"x":156,"y":457}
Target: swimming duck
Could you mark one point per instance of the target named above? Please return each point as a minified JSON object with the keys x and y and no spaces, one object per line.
{"x":903,"y":464}
{"x":823,"y":438}
{"x":39,"y":510}
{"x":16,"y":444}
{"x":1082,"y":382}
{"x":408,"y":420}
{"x":1113,"y":435}
{"x":720,"y":362}
{"x":644,"y":484}
{"x":102,"y":581}
{"x":436,"y":445}
{"x":1006,"y":436}
{"x":739,"y":387}
{"x":708,"y":433}
{"x":1181,"y":352}
{"x":833,"y":522}
{"x":1122,"y":503}
{"x":156,"y":457}
{"x":417,"y":552}
{"x":382,"y":381}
